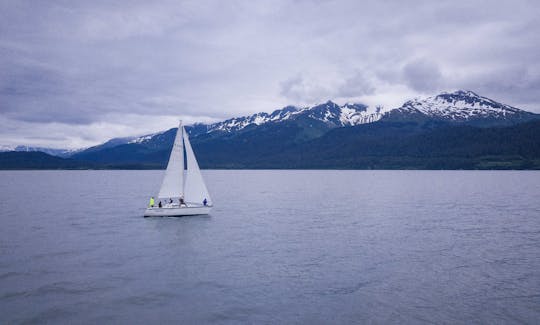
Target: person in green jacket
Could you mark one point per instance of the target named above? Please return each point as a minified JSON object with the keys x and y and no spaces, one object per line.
{"x":152,"y":202}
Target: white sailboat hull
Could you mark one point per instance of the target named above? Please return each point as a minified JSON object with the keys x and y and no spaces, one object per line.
{"x":177,"y":211}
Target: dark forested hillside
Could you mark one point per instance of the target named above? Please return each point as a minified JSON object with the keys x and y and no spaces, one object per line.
{"x":388,"y":146}
{"x":38,"y":160}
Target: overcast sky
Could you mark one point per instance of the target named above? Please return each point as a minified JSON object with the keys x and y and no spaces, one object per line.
{"x":76,"y":73}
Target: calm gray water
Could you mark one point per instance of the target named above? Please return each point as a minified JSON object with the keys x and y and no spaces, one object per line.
{"x":279,"y":247}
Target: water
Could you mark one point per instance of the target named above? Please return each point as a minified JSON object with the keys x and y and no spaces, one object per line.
{"x":279,"y":247}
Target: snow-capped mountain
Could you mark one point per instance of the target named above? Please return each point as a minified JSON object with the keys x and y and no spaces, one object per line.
{"x":329,"y":113}
{"x":460,"y":106}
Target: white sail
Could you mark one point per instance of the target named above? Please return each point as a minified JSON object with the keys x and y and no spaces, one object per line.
{"x":172,"y":186}
{"x":195,"y":189}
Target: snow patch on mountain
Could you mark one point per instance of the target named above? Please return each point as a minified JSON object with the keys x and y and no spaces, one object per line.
{"x":142,"y":139}
{"x":355,"y":114}
{"x":4,"y":148}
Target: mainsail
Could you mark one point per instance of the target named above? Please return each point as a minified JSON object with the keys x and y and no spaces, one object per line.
{"x":194,"y":190}
{"x":173,"y":180}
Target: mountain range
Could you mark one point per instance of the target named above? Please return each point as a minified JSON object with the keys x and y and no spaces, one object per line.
{"x":451,"y":130}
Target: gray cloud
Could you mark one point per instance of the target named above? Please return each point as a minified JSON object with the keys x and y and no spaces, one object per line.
{"x":90,"y":70}
{"x":302,"y":90}
{"x":422,"y":75}
{"x":517,"y":83}
{"x":358,"y":85}
{"x":293,"y":88}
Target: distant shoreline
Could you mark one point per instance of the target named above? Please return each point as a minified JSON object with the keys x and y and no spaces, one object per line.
{"x":271,"y":169}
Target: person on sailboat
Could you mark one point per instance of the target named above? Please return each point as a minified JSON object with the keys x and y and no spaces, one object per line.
{"x":170,"y":201}
{"x":204,"y":202}
{"x":152,"y":202}
{"x":159,"y":205}
{"x":182,"y":202}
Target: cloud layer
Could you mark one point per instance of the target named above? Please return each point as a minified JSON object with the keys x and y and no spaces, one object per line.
{"x":76,"y":73}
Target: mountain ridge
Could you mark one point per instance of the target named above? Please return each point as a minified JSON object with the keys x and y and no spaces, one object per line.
{"x":379,"y":145}
{"x":459,"y":107}
{"x":485,"y":112}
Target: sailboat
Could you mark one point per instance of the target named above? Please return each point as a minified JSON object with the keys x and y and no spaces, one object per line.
{"x":183,"y":188}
